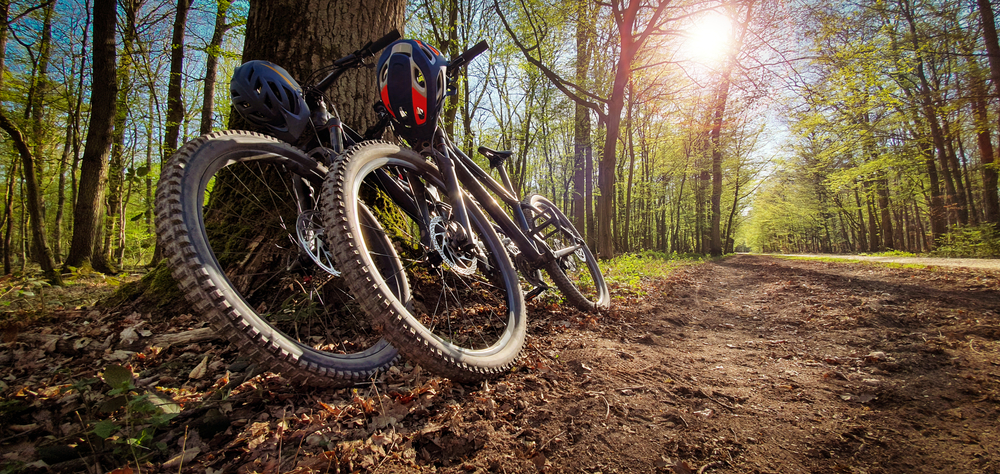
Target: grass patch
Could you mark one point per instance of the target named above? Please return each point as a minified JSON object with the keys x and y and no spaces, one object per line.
{"x":909,"y":266}
{"x":889,"y":253}
{"x":630,"y":270}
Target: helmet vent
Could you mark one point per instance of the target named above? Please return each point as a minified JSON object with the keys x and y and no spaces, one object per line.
{"x":419,"y":77}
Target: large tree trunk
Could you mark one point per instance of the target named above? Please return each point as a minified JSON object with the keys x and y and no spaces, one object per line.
{"x":88,"y":211}
{"x":74,"y":96}
{"x":988,"y":20}
{"x":323,"y":32}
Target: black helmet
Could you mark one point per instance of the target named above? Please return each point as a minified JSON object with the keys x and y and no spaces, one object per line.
{"x":412,"y":86}
{"x":267,"y":96}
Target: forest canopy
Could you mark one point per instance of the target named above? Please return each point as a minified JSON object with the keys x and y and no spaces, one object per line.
{"x":683,"y":126}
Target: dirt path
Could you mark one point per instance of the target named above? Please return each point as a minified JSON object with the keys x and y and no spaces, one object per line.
{"x":750,"y":364}
{"x":990,"y":264}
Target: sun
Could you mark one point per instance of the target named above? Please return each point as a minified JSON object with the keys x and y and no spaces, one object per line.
{"x":708,"y":38}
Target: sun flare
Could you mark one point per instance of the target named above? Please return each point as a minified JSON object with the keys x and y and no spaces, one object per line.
{"x":708,"y":38}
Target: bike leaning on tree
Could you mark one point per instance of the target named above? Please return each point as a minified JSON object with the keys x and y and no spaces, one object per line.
{"x":464,"y":313}
{"x":238,"y":214}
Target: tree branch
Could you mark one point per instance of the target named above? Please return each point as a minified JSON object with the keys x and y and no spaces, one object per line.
{"x":560,"y":83}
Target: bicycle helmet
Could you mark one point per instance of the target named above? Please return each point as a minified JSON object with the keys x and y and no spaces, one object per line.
{"x":412,"y":86}
{"x":267,"y":96}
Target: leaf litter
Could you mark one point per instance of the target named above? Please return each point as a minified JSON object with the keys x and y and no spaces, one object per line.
{"x":748,"y":364}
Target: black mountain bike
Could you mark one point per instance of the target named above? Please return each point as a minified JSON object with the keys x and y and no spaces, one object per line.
{"x":236,"y":213}
{"x":464,"y":314}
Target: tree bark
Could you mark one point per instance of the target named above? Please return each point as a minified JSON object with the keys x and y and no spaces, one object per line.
{"x":42,"y":254}
{"x":214,"y":49}
{"x":581,"y":127}
{"x":175,"y":106}
{"x":88,"y":211}
{"x":41,"y":86}
{"x":988,"y":20}
{"x":323,"y":31}
{"x":8,"y":216}
{"x":718,"y":113}
{"x":4,"y":11}
{"x":882,"y":187}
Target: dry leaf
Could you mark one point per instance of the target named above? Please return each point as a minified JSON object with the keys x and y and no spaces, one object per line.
{"x":200,"y":370}
{"x":182,"y":458}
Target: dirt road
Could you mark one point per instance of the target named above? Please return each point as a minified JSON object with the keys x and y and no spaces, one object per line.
{"x":752,"y":364}
{"x":990,"y":264}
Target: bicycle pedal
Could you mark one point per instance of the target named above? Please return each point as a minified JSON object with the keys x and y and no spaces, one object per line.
{"x":534,"y":292}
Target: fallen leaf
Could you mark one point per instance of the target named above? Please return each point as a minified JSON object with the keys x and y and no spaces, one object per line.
{"x":539,"y":461}
{"x":682,"y":467}
{"x":199,"y":371}
{"x":182,"y":458}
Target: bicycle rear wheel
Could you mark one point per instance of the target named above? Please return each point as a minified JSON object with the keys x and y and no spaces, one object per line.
{"x":233,"y":215}
{"x":574,"y":270}
{"x":466,"y":318}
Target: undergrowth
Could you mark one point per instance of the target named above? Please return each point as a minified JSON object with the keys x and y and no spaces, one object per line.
{"x":629,"y":270}
{"x":981,"y":241}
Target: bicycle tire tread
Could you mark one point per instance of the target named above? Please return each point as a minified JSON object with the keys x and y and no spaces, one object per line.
{"x":206,"y":298}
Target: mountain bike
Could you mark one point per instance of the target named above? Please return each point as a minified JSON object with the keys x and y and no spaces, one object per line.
{"x":236,"y":213}
{"x":464,"y":315}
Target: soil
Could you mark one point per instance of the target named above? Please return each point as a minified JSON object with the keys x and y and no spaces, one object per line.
{"x":750,"y":364}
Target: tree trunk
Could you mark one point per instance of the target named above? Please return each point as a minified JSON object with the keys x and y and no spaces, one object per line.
{"x":715,"y":135}
{"x":861,"y":239}
{"x":626,"y":223}
{"x":8,"y":218}
{"x":581,"y":127}
{"x":212,"y":65}
{"x":4,"y":11}
{"x":882,"y":186}
{"x":991,"y":203}
{"x":175,"y":107}
{"x":42,"y":254}
{"x":324,"y":31}
{"x":88,"y":211}
{"x":988,"y":20}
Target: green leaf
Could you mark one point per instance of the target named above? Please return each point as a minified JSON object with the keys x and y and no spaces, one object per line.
{"x":118,"y":377}
{"x":113,"y":404}
{"x":105,"y":428}
{"x":168,"y":406}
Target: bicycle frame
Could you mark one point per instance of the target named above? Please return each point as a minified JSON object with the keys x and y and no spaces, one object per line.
{"x":465,"y":173}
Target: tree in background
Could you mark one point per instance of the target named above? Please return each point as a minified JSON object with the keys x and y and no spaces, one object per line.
{"x":89,"y":210}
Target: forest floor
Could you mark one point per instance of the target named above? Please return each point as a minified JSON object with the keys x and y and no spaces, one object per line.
{"x":748,"y":364}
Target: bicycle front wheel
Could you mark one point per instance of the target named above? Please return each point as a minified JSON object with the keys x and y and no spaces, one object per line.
{"x":466,"y":317}
{"x":574,"y":270}
{"x":234,"y":215}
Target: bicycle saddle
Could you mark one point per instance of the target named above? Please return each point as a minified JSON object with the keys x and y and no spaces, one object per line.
{"x":496,"y":157}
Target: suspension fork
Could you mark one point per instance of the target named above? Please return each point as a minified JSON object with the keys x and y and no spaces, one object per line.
{"x":456,"y":196}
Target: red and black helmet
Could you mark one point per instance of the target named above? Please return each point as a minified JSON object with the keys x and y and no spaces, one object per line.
{"x":412,"y":86}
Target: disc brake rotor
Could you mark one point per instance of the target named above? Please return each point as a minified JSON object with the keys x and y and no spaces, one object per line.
{"x":461,"y":262}
{"x":310,"y":235}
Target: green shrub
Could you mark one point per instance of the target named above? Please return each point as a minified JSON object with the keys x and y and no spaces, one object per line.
{"x":981,"y":241}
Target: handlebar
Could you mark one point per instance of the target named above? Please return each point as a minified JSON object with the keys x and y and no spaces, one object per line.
{"x":369,"y":49}
{"x":356,"y":58}
{"x":462,"y":59}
